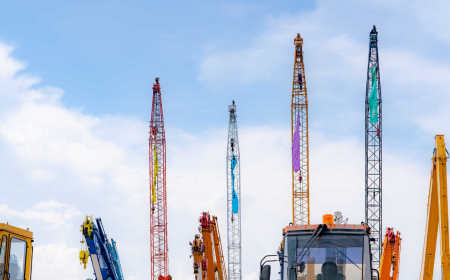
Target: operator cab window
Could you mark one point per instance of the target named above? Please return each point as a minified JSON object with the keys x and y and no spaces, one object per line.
{"x":329,"y":257}
{"x":17,"y":259}
{"x":2,"y":256}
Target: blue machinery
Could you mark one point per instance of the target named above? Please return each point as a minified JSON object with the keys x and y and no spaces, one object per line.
{"x":104,"y":255}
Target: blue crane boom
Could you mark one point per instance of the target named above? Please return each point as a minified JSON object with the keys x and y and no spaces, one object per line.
{"x":103,"y":253}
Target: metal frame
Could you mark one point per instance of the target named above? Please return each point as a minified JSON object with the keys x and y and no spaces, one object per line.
{"x":103,"y":253}
{"x":233,"y":220}
{"x":437,"y":221}
{"x":373,"y":164}
{"x":299,"y":106}
{"x":158,"y":210}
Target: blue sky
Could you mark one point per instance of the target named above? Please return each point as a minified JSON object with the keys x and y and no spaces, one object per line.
{"x":75,"y":84}
{"x":105,"y":55}
{"x":109,"y":52}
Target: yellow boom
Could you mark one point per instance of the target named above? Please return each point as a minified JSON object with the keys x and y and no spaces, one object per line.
{"x":437,"y":215}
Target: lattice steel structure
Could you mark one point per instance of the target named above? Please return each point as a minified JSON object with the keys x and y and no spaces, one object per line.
{"x":233,"y":219}
{"x":299,"y":109}
{"x":373,"y":154}
{"x":158,"y":199}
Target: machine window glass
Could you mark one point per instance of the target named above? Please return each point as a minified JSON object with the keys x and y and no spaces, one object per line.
{"x":367,"y":269}
{"x":2,"y":255}
{"x":285,"y":257}
{"x":330,"y":257}
{"x":17,"y":259}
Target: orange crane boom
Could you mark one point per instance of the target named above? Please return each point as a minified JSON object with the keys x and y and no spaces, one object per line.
{"x":209,"y":261}
{"x":390,"y":255}
{"x":220,"y":260}
{"x":396,"y":257}
{"x":300,"y":143}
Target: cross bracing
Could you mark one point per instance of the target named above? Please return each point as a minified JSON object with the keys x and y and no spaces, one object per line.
{"x":158,"y":199}
{"x":373,"y":139}
{"x":233,"y":218}
{"x":299,"y":113}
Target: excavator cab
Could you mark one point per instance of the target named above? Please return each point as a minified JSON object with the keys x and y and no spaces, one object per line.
{"x":323,"y":252}
{"x":16,"y":253}
{"x":327,"y":252}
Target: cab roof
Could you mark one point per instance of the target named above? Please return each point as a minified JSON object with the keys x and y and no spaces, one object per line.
{"x":329,"y":226}
{"x":23,"y":232}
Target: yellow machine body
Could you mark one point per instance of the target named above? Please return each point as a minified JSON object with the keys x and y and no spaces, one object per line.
{"x":16,"y":253}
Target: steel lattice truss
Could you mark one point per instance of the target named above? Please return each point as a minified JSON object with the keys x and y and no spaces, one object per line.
{"x":158,"y":210}
{"x":373,"y":157}
{"x":233,"y":219}
{"x":299,"y":107}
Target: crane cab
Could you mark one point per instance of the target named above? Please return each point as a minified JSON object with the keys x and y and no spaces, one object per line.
{"x":326,"y":252}
{"x":16,"y":251}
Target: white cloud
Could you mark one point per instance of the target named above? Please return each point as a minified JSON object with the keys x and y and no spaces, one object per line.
{"x":42,"y":176}
{"x":55,"y":214}
{"x":47,"y":135}
{"x":433,"y":18}
{"x":10,"y":66}
{"x":57,"y":261}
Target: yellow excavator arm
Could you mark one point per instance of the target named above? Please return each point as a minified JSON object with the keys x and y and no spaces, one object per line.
{"x":437,"y":215}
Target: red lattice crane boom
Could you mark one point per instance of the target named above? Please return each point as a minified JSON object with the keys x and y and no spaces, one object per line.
{"x":158,"y":194}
